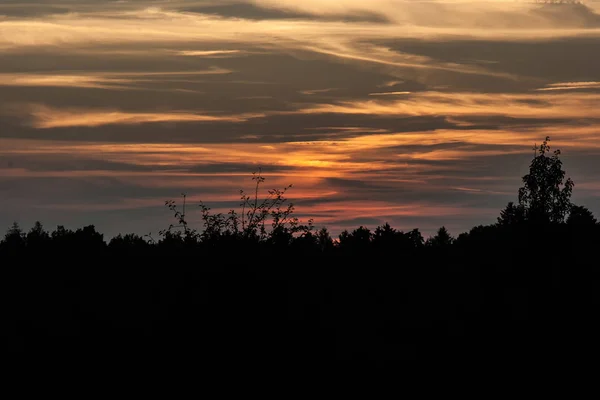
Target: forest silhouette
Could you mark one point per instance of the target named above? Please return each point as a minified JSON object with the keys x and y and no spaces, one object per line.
{"x":258,"y":284}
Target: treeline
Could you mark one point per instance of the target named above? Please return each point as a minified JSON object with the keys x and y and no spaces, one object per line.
{"x":580,"y":229}
{"x":259,"y":285}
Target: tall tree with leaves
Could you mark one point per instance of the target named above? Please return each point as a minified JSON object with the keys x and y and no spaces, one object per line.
{"x":546,"y":195}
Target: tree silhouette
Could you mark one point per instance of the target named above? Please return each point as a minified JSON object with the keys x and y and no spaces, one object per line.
{"x":580,"y":216}
{"x":387,"y":239}
{"x":37,"y":237}
{"x":88,"y":238}
{"x":14,"y":238}
{"x":385,"y":235}
{"x":511,"y":215}
{"x":357,"y":240}
{"x":128,"y":243}
{"x":546,"y":195}
{"x":324,"y":240}
{"x":441,"y":239}
{"x":416,"y":238}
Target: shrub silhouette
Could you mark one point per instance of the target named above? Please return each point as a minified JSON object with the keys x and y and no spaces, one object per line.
{"x":260,"y":220}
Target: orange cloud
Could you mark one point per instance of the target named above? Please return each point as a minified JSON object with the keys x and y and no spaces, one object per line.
{"x":44,"y":117}
{"x":65,"y":80}
{"x":571,"y":105}
{"x":209,"y":53}
{"x":97,"y":80}
{"x":344,"y":41}
{"x":570,"y":86}
{"x":389,"y":93}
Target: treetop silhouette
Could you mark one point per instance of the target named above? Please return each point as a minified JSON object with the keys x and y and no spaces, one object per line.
{"x":546,"y":195}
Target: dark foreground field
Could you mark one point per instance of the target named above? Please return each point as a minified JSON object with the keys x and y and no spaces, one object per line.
{"x":538,"y":299}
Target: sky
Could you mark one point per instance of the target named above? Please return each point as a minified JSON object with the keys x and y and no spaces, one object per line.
{"x":416,"y":113}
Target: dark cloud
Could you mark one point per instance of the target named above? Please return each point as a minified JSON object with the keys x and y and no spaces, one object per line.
{"x":54,"y":163}
{"x":270,"y":129}
{"x":31,"y":11}
{"x":549,"y":60}
{"x":575,"y":16}
{"x":252,"y":11}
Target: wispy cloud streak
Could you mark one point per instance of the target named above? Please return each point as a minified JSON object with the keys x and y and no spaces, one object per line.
{"x":570,"y":86}
{"x":44,"y":117}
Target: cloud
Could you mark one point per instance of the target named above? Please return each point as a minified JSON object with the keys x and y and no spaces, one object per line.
{"x":517,"y":105}
{"x":419,"y":104}
{"x":63,"y":80}
{"x":167,"y":25}
{"x":310,"y":92}
{"x":570,"y":86}
{"x":358,"y":42}
{"x":388,"y":93}
{"x":390,"y":84}
{"x":249,"y":10}
{"x":209,"y":53}
{"x":97,"y":80}
{"x":494,"y":14}
{"x":44,"y":117}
